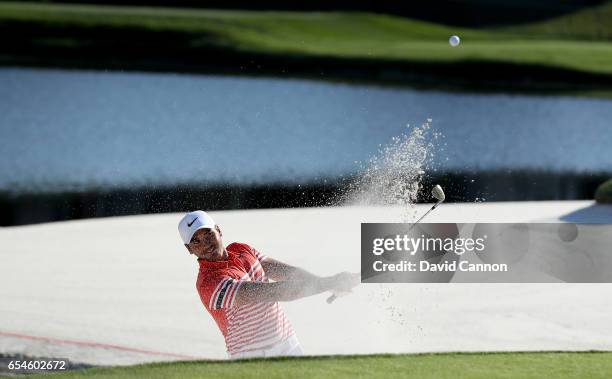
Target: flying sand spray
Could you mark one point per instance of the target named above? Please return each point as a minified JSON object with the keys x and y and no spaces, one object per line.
{"x":437,"y":193}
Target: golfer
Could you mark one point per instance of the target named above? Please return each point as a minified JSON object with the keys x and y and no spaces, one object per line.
{"x":234,"y":286}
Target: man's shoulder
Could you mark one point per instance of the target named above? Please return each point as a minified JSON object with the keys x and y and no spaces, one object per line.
{"x":246,"y":252}
{"x":239,"y":246}
{"x":241,"y":250}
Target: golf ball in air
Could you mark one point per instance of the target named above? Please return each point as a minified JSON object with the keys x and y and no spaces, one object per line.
{"x":454,"y":41}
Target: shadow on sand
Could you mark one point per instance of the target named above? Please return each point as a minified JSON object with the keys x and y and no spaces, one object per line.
{"x":593,"y":214}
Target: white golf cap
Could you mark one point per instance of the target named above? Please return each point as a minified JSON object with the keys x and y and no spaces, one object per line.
{"x":192,"y":222}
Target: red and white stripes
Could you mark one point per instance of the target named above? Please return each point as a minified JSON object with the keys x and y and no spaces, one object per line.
{"x":249,"y":327}
{"x":256,"y":325}
{"x":225,"y":294}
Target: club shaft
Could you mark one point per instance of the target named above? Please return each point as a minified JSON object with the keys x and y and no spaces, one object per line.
{"x":422,"y":217}
{"x":333,"y":297}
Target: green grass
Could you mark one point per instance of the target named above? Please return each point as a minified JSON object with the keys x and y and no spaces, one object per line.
{"x":594,"y":23}
{"x":328,"y":34}
{"x":423,"y":366}
{"x":603,"y":194}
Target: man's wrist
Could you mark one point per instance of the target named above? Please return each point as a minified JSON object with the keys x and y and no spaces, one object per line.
{"x":326,"y":283}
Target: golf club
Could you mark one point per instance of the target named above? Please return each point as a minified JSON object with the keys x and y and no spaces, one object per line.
{"x":438,"y":194}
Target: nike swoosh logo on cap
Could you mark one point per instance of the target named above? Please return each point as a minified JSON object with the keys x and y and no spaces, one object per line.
{"x":191,"y":223}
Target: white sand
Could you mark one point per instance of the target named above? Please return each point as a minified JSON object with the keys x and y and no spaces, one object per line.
{"x":129,"y":282}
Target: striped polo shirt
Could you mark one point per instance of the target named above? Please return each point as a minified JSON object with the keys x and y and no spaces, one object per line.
{"x":254,"y":326}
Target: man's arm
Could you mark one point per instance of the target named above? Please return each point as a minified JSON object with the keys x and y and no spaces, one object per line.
{"x":258,"y":292}
{"x":279,"y":271}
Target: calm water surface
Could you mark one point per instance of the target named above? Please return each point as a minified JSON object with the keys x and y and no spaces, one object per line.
{"x":73,"y":129}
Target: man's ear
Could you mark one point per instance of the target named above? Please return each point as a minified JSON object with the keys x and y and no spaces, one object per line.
{"x":188,"y":249}
{"x":219,"y":230}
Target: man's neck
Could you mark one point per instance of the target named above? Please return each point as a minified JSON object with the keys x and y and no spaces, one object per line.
{"x":224,"y":256}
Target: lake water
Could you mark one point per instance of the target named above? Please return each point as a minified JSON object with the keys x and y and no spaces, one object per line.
{"x":73,"y":129}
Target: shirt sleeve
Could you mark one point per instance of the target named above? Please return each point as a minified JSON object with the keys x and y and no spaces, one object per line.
{"x":261,"y":257}
{"x":219,"y":293}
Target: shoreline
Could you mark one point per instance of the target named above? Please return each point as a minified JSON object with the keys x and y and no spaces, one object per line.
{"x":471,"y":76}
{"x":19,"y":208}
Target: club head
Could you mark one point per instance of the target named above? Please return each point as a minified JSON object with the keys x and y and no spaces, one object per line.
{"x":438,"y":193}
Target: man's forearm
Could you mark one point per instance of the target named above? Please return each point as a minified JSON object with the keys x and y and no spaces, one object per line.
{"x":283,"y":272}
{"x":256,"y":292}
{"x":298,"y":274}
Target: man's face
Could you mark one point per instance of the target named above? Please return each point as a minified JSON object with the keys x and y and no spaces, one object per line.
{"x":207,"y":244}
